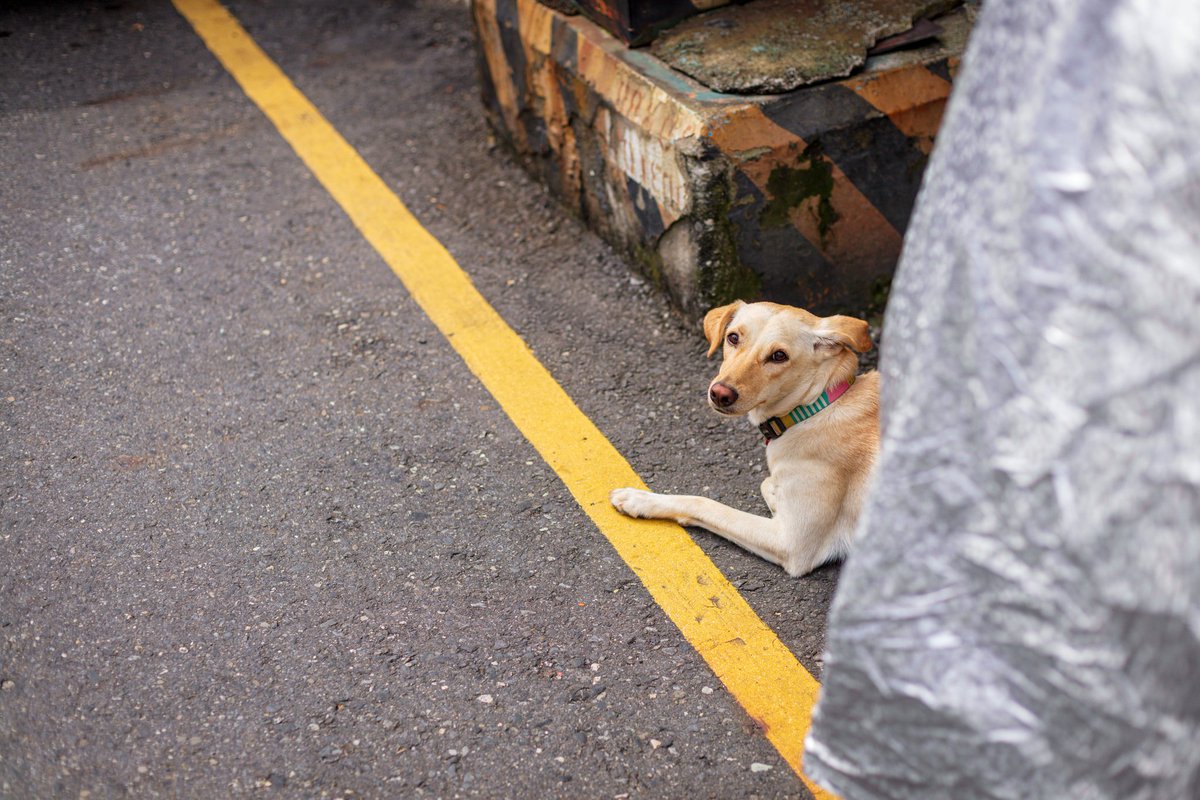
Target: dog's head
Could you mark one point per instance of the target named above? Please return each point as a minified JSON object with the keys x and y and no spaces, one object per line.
{"x":777,"y":357}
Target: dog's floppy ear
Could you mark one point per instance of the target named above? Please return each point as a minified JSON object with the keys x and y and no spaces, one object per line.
{"x":847,"y":332}
{"x":715,"y":323}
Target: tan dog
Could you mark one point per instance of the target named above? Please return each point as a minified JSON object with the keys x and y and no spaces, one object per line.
{"x":788,"y":371}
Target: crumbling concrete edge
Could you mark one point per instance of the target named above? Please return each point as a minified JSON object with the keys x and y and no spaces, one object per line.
{"x":688,"y":183}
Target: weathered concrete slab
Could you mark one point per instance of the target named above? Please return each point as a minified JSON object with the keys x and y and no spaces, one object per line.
{"x":775,"y":46}
{"x":800,"y":198}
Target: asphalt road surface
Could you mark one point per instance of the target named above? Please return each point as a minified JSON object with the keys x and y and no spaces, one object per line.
{"x":262,"y":533}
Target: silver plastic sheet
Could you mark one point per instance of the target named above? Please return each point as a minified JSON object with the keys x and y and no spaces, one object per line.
{"x":1021,"y":617}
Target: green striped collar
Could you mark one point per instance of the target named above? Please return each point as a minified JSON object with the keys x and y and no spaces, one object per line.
{"x":775,"y":427}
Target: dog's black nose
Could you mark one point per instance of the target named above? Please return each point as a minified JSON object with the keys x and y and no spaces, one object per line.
{"x":722,"y":395}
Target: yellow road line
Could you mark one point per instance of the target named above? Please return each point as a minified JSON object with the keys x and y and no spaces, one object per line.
{"x":745,"y":654}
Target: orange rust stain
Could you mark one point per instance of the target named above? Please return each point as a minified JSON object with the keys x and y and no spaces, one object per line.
{"x":607,"y":11}
{"x":161,"y":147}
{"x":132,"y":463}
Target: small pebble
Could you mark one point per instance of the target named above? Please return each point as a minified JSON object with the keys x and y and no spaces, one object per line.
{"x":486,"y":699}
{"x":759,"y":767}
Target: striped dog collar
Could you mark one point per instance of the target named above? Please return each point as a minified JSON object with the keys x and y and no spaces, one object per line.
{"x":777,"y":426}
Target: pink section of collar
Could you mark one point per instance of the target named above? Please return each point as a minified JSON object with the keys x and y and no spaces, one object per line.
{"x":775,"y":427}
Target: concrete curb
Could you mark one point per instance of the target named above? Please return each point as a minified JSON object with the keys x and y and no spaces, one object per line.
{"x":801,"y":198}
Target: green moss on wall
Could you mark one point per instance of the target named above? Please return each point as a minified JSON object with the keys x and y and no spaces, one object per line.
{"x":722,"y":277}
{"x":788,"y":187}
{"x":651,"y":264}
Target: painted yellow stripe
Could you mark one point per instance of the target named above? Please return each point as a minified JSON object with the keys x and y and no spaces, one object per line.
{"x":745,"y":654}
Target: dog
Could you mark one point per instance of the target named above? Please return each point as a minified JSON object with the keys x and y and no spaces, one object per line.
{"x":795,"y":376}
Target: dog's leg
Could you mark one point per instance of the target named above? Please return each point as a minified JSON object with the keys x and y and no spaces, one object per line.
{"x":760,"y":535}
{"x":813,"y":552}
{"x":769,"y":490}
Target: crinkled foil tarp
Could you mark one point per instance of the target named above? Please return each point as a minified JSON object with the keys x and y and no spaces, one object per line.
{"x":1022,"y":616}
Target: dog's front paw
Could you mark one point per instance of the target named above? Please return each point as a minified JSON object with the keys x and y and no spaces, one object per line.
{"x":632,"y":502}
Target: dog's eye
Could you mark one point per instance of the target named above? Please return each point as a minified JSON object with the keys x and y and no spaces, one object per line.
{"x":732,"y":339}
{"x":779,"y":356}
